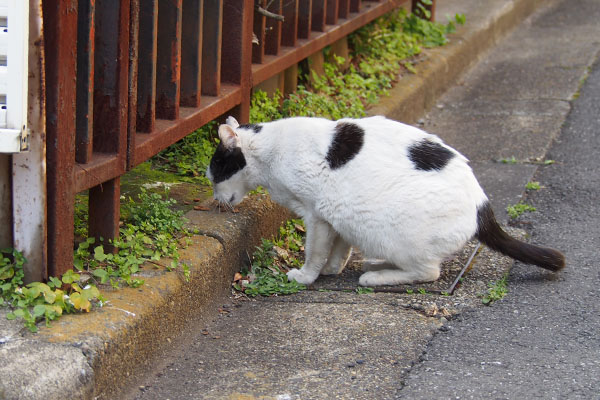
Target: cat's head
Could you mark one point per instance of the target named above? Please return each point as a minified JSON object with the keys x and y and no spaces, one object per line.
{"x":227,"y":169}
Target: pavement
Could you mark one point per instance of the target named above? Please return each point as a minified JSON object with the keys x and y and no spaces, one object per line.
{"x":503,"y":88}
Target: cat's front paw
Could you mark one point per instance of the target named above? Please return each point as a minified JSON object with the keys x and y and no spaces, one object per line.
{"x":300,"y":276}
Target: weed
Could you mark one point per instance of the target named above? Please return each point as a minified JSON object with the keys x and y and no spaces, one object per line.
{"x":496,"y":291}
{"x":511,"y":160}
{"x":364,"y":290}
{"x":516,"y":210}
{"x":151,"y":231}
{"x":532,"y":186}
{"x":37,"y":300}
{"x":270,"y":262}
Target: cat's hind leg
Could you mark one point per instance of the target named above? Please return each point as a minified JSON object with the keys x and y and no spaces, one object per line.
{"x":422,"y":273}
{"x":319,"y":241}
{"x":338,"y":258}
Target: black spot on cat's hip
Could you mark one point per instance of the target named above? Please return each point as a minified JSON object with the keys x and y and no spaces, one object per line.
{"x":226,"y":162}
{"x":255,"y":127}
{"x":347,"y":141}
{"x":427,"y":155}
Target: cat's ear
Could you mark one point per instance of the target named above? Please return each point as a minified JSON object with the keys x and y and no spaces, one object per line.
{"x":228,"y":137}
{"x":232,"y":122}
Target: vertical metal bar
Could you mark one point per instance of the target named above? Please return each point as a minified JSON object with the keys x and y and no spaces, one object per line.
{"x":354,"y":5}
{"x":191,"y":53}
{"x":332,"y":12}
{"x":273,"y":29}
{"x":85,"y":81}
{"x":212,"y":27}
{"x":304,"y":19}
{"x":344,"y":9}
{"x":111,"y":103}
{"x":237,"y":51}
{"x":60,"y":46}
{"x":104,"y":210}
{"x":146,"y":86}
{"x":134,"y":28}
{"x":289,"y":29}
{"x":260,"y":26}
{"x":168,"y":59}
{"x":111,"y":65}
{"x":319,"y":11}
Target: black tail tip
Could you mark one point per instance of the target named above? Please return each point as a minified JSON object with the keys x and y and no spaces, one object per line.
{"x":554,"y":261}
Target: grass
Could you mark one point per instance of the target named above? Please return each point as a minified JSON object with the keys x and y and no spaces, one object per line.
{"x":496,"y":291}
{"x":516,"y":210}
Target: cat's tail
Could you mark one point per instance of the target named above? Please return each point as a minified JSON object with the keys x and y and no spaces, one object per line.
{"x":491,"y":234}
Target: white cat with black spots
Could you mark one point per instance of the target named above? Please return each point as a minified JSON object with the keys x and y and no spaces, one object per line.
{"x":392,"y":190}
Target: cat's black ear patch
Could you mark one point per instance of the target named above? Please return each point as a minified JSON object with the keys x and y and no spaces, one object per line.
{"x":427,"y":155}
{"x":255,"y":127}
{"x":347,"y":141}
{"x":226,"y":162}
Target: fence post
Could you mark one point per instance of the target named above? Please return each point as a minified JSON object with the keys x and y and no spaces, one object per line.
{"x":60,"y":46}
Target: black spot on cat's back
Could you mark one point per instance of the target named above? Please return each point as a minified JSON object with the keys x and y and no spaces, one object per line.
{"x":348,"y":139}
{"x":427,"y":155}
{"x":226,"y":162}
{"x":255,"y":127}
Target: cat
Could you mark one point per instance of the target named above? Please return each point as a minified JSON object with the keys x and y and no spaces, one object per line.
{"x":392,"y":190}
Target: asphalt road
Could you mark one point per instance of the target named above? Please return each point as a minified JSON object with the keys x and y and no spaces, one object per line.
{"x":542,"y":340}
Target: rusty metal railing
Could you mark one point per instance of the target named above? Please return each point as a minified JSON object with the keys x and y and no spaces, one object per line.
{"x":125,"y":79}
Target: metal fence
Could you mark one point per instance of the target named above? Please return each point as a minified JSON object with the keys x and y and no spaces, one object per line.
{"x":125,"y":79}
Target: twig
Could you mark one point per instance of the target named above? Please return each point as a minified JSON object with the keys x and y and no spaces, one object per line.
{"x":269,"y":14}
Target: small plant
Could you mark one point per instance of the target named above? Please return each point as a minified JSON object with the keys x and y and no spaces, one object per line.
{"x":41,"y":301}
{"x":511,"y":160}
{"x":496,"y":291}
{"x":270,"y":262}
{"x":516,"y":210}
{"x":364,"y":290}
{"x":151,"y":231}
{"x":422,"y":291}
{"x":532,"y":186}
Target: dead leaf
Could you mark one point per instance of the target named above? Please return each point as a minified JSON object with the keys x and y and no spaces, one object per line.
{"x":281,"y":252}
{"x":237,"y":277}
{"x":299,"y":228}
{"x":201,"y":208}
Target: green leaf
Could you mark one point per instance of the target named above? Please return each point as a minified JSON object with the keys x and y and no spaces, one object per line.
{"x":102,"y":274}
{"x":99,"y":253}
{"x":39,"y":310}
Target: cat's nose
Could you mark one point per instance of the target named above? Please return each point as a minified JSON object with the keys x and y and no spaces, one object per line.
{"x":232,"y":198}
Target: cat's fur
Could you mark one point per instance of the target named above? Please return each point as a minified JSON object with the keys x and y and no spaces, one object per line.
{"x":394,"y":191}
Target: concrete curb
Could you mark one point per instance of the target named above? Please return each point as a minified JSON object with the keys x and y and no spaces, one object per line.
{"x":92,"y":355}
{"x":416,"y":93}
